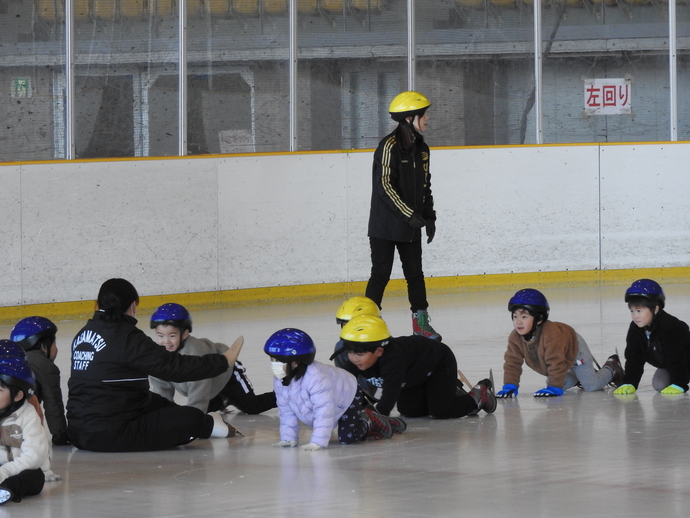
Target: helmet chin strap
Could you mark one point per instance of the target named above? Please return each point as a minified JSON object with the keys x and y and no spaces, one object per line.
{"x":655,"y":315}
{"x":528,"y":337}
{"x":535,"y":326}
{"x":410,"y":123}
{"x":292,"y":372}
{"x":12,"y":407}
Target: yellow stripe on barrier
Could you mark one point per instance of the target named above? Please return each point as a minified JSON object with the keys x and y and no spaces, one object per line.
{"x":343,"y":290}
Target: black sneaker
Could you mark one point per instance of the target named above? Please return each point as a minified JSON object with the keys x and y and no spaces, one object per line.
{"x":483,"y":394}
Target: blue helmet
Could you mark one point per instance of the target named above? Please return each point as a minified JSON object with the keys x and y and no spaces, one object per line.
{"x":30,"y":330}
{"x":532,"y":300}
{"x":647,"y":289}
{"x":172,"y":314}
{"x":291,"y":345}
{"x":14,"y":367}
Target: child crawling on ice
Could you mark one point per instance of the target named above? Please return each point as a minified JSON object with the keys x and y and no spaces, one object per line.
{"x":321,"y":396}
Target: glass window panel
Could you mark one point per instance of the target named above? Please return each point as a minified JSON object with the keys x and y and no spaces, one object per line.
{"x":352,"y":62}
{"x":32,"y":43}
{"x":238,"y":87}
{"x":125,"y":78}
{"x":474,"y":62}
{"x":605,"y":40}
{"x":683,"y":77}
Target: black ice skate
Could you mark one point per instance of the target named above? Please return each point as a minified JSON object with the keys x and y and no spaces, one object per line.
{"x":398,"y":424}
{"x":379,"y":425}
{"x":614,"y":365}
{"x":483,"y":394}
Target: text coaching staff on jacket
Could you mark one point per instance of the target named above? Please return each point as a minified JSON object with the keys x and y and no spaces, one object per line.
{"x":401,"y":204}
{"x":110,"y":407}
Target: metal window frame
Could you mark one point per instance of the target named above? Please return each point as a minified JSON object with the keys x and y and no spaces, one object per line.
{"x":69,"y":74}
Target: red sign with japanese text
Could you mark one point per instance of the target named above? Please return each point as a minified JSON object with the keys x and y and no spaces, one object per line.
{"x":608,"y":96}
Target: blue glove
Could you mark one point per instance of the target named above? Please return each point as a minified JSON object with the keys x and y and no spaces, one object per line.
{"x":509,"y":390}
{"x":549,"y":392}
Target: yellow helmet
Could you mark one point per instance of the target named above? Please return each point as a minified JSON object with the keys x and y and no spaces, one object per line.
{"x":355,"y":306}
{"x":408,"y":104}
{"x":366,"y":329}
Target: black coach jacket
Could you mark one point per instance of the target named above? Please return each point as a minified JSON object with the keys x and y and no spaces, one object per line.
{"x":401,"y":186}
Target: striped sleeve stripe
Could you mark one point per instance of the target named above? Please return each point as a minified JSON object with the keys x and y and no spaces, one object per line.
{"x":386,"y":179}
{"x":124,"y":379}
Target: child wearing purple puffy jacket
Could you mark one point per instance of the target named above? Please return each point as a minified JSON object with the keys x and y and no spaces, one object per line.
{"x":321,"y":396}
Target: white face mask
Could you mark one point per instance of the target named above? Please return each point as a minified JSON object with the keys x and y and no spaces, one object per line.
{"x":278,"y":370}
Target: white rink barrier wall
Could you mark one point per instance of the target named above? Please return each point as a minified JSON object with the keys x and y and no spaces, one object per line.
{"x":189,"y":225}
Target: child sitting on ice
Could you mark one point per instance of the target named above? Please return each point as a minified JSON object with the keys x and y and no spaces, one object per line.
{"x":173,"y":326}
{"x":319,"y":395}
{"x":25,"y":453}
{"x":36,"y":335}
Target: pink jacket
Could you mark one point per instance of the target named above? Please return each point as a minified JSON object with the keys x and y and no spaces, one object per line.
{"x":318,"y":399}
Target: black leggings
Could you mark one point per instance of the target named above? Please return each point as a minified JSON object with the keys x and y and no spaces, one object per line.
{"x":239,"y":392}
{"x":163,"y":425}
{"x":27,"y":483}
{"x":438,"y":396}
{"x":382,"y":256}
{"x":351,"y":428}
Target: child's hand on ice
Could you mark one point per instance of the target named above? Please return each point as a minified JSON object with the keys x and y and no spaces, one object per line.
{"x":311,"y":447}
{"x":285,"y":444}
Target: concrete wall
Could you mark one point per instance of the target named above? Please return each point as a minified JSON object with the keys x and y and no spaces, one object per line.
{"x":229,"y":222}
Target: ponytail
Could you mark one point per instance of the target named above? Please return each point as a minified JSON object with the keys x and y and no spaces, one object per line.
{"x":115,"y":297}
{"x":407,"y":135}
{"x":294,"y":373}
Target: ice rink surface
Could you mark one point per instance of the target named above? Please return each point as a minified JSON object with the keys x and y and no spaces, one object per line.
{"x":579,"y":455}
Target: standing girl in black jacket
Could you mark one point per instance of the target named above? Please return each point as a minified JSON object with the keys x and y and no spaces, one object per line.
{"x":401,"y":204}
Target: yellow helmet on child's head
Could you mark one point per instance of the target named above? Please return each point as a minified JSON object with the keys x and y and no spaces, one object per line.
{"x":408,"y":104}
{"x":355,"y":306}
{"x":365,"y":329}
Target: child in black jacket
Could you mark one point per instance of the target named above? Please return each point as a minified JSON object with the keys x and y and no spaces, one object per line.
{"x":36,"y":335}
{"x":416,"y":372}
{"x":657,"y":338}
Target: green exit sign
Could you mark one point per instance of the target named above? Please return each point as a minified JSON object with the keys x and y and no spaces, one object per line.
{"x":21,"y":87}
